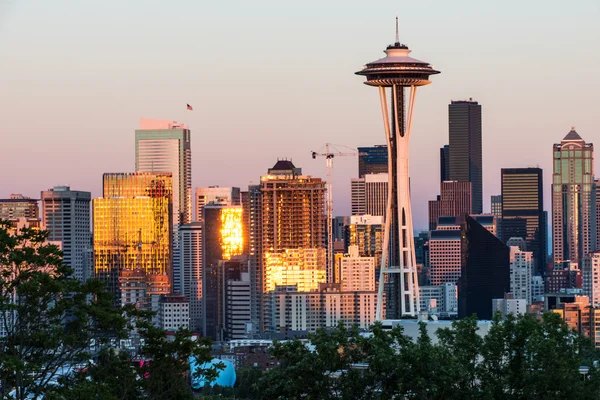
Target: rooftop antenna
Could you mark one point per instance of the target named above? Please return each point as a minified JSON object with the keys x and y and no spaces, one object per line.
{"x":397,"y":35}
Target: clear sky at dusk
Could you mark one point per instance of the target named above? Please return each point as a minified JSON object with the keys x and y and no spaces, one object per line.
{"x":271,"y":79}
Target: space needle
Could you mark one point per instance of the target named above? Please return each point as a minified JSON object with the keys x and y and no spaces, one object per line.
{"x":398,"y":71}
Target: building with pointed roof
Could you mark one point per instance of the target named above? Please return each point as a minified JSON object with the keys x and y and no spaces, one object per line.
{"x":572,"y":198}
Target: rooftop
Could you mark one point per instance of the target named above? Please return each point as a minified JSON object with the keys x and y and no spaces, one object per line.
{"x":572,"y":136}
{"x":283,"y":165}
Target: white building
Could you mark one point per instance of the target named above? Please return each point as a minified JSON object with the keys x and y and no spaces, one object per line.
{"x":537,"y":288}
{"x":66,"y":217}
{"x":173,"y":312}
{"x":509,"y":305}
{"x":521,"y":274}
{"x":356,"y":273}
{"x":441,"y":300}
{"x":591,"y":277}
{"x":309,"y":311}
{"x":369,"y":194}
{"x":189,"y":271}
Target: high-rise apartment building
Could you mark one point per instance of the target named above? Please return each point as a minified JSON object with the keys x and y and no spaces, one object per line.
{"x":521,"y":274}
{"x":133,"y":230}
{"x":486,"y":272}
{"x":356,"y":273}
{"x":190,"y":270}
{"x":590,"y":272}
{"x":446,"y":256}
{"x":572,"y":200}
{"x":66,"y":217}
{"x":369,"y":194}
{"x":19,"y":206}
{"x":372,"y":160}
{"x":523,"y":211}
{"x":286,"y":212}
{"x":445,"y":163}
{"x":226,"y":196}
{"x":454,"y":201}
{"x":466,"y":163}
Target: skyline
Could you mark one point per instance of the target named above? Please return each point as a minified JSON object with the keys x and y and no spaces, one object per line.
{"x":106,"y":87}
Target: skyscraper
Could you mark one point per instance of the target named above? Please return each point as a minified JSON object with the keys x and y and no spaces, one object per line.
{"x":222,"y":242}
{"x":523,"y":211}
{"x":190,"y":270}
{"x":369,"y":194}
{"x":398,"y":71}
{"x":465,"y":147}
{"x":66,"y":217}
{"x":485,"y":274}
{"x":572,"y":199}
{"x":455,"y":200}
{"x":445,"y":163}
{"x":373,"y":160}
{"x":286,"y":212}
{"x":596,"y":209}
{"x":133,"y":231}
{"x":165,"y":146}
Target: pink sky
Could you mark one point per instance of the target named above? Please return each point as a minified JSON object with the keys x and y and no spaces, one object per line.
{"x":276,"y":80}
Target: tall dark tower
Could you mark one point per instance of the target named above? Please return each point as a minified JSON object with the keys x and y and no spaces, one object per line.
{"x":445,"y":163}
{"x":465,"y":147}
{"x":397,"y":70}
{"x":523,"y":211}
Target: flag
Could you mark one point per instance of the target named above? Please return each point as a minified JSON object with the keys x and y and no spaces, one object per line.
{"x":190,"y":107}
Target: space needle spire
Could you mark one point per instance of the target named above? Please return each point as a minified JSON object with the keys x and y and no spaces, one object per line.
{"x":402,"y":75}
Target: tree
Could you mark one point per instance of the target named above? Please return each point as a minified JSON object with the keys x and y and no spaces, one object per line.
{"x":47,"y":318}
{"x":464,"y":343}
{"x":246,"y":383}
{"x":166,"y":374}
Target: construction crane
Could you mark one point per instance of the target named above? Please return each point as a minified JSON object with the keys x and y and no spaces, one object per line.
{"x":330,"y":153}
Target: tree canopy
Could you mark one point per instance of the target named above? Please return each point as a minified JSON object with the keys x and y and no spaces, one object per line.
{"x":521,"y":357}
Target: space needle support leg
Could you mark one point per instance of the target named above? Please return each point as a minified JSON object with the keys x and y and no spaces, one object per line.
{"x":388,"y":214}
{"x":408,"y":283}
{"x":414,"y":281}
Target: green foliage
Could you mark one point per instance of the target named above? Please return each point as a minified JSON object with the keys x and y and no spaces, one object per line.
{"x":520,"y":358}
{"x":50,"y":320}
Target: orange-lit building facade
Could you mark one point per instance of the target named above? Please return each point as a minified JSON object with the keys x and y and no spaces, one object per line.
{"x":223,"y":243}
{"x":133,"y":228}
